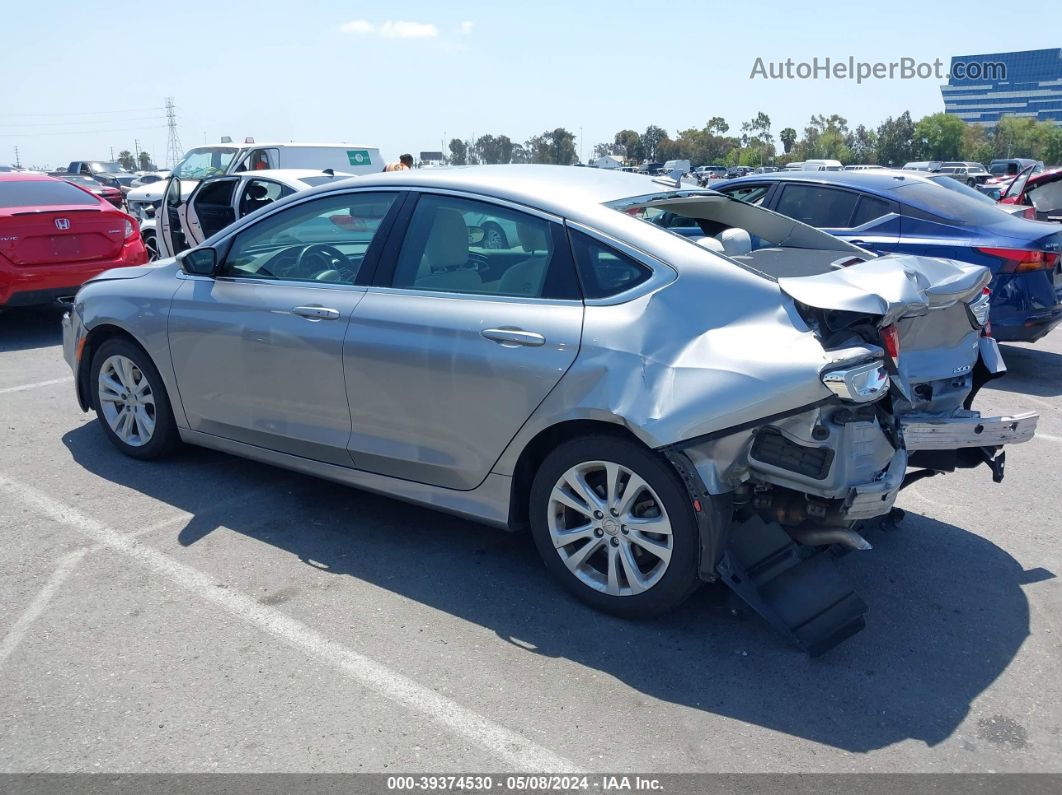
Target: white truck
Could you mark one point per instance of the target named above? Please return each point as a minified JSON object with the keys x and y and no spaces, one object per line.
{"x":215,"y":160}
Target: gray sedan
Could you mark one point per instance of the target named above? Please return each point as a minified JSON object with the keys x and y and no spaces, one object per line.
{"x":660,"y":410}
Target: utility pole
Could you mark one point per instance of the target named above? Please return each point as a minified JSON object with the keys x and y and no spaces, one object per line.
{"x":173,"y":140}
{"x":136,"y":154}
{"x":112,"y":154}
{"x":18,"y":163}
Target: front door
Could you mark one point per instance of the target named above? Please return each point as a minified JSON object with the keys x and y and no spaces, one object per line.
{"x":457,"y":344}
{"x":257,"y":351}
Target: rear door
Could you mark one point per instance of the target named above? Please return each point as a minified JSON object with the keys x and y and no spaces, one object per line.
{"x":455,"y":345}
{"x":210,"y":208}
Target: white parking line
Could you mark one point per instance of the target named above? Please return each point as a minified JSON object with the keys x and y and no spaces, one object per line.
{"x":1048,"y":437}
{"x":40,"y":602}
{"x":9,"y":389}
{"x":511,"y":748}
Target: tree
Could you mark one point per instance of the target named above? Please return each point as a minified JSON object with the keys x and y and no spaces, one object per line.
{"x":895,"y":140}
{"x":490,"y":149}
{"x":651,"y":138}
{"x":126,"y":160}
{"x":938,"y":137}
{"x":145,"y":162}
{"x":458,"y":152}
{"x":631,"y":143}
{"x":519,"y":154}
{"x":788,"y":137}
{"x":863,"y":144}
{"x":717,"y":126}
{"x":556,"y":147}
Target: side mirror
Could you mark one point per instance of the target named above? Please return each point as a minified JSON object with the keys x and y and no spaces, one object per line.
{"x":149,"y":211}
{"x":475,"y":235}
{"x":199,"y":261}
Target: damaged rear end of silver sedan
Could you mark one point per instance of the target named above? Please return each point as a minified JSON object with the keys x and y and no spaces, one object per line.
{"x":855,"y":382}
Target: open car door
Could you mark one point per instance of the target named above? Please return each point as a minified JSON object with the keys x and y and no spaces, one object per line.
{"x":171,"y":240}
{"x":210,"y":208}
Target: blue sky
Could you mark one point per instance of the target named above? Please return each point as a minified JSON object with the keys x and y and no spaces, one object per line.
{"x":81,"y":77}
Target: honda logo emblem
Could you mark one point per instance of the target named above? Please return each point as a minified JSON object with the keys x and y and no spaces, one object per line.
{"x":62,"y":224}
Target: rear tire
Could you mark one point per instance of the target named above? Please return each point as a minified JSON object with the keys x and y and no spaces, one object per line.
{"x":130,"y":401}
{"x":629,"y":553}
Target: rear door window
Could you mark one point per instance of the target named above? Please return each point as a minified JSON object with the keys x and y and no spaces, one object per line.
{"x":447,"y":249}
{"x":869,"y":209}
{"x":603,"y":271}
{"x":259,"y":193}
{"x":818,"y":206}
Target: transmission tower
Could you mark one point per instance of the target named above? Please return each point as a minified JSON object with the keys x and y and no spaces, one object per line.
{"x":174,"y":150}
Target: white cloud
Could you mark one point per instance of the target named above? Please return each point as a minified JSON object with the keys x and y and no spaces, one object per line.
{"x":466,"y":28}
{"x":360,"y":26}
{"x":391,"y":29}
{"x":408,"y":30}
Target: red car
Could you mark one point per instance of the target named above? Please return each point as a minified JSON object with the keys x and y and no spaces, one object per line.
{"x":1041,"y":193}
{"x":110,"y":192}
{"x":55,"y":235}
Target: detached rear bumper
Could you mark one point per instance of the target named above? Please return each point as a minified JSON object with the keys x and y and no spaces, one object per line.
{"x":953,"y":433}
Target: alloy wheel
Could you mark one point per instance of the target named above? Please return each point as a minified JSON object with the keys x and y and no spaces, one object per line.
{"x":610,"y":528}
{"x":127,"y":400}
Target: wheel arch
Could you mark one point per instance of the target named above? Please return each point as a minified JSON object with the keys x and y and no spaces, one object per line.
{"x":93,"y":340}
{"x":536,"y":450}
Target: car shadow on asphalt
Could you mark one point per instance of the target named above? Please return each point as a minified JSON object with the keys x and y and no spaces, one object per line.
{"x":23,"y":328}
{"x":1030,"y":371}
{"x":947,"y":610}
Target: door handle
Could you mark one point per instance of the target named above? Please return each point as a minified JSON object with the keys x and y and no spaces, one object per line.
{"x":511,"y":337}
{"x":316,"y":312}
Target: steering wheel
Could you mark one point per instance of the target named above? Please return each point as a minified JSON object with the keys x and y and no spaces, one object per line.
{"x":330,"y":258}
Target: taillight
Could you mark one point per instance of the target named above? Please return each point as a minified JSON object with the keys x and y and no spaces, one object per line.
{"x":1020,"y":260}
{"x":980,"y":306}
{"x":890,"y":340}
{"x":130,"y":229}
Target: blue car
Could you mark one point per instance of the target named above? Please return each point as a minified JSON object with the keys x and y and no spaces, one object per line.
{"x":902,"y":212}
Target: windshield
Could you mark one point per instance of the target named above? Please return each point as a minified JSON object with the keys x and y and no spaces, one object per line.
{"x":950,"y":202}
{"x":204,"y":162}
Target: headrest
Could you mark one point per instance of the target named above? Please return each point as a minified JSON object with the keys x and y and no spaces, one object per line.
{"x":448,"y":241}
{"x":736,"y":242}
{"x":711,"y":244}
{"x":532,"y":237}
{"x":257,"y":191}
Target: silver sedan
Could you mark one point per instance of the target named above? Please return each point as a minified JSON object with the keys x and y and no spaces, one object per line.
{"x":661,"y":410}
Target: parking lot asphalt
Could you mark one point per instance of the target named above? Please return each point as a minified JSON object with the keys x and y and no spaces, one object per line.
{"x":213,"y":614}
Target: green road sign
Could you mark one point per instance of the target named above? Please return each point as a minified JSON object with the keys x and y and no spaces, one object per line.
{"x":359,"y":157}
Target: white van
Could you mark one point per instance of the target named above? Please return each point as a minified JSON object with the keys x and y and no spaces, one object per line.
{"x":677,"y":165}
{"x":201,"y":162}
{"x":822,"y":165}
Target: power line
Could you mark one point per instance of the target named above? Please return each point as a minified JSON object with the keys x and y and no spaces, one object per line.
{"x":87,"y":121}
{"x":77,"y":132}
{"x":87,"y":112}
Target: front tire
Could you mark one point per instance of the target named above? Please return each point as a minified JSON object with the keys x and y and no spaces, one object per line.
{"x":613,"y":522}
{"x":130,"y":401}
